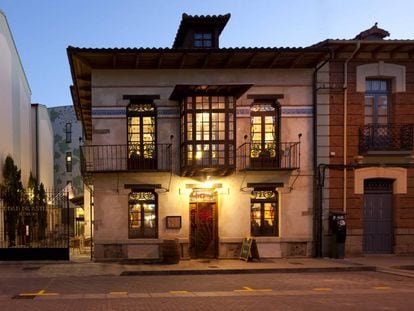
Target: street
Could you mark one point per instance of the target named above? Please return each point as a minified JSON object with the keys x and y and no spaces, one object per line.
{"x":275,"y":291}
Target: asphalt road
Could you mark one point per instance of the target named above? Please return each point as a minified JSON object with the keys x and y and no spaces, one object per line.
{"x":279,"y":291}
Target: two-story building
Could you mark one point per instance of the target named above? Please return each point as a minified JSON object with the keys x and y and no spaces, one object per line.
{"x":198,"y":143}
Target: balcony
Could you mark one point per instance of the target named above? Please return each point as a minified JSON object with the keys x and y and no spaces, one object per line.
{"x":255,"y":156}
{"x":115,"y":158}
{"x":386,"y":139}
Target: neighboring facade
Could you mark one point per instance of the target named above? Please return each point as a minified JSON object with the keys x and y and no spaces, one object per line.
{"x":15,"y":117}
{"x":27,"y":137}
{"x":68,"y":138}
{"x":42,"y":140}
{"x":365,"y":98}
{"x":197,"y":143}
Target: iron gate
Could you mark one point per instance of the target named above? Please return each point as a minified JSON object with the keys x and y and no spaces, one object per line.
{"x":33,"y":232}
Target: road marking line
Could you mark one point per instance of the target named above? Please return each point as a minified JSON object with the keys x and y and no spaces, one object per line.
{"x":381,"y":287}
{"x":178,"y":292}
{"x":248,"y":289}
{"x":118,"y":293}
{"x":39,"y":293}
{"x":323,"y":289}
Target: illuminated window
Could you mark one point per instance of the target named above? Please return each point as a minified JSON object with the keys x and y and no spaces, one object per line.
{"x":142,"y":215}
{"x":141,"y":136}
{"x":207,"y":131}
{"x":69,"y":162}
{"x":264,"y":132}
{"x":264,"y":212}
{"x":68,"y":131}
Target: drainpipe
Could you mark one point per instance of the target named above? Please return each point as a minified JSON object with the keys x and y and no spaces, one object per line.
{"x":317,"y":225}
{"x":345,"y":87}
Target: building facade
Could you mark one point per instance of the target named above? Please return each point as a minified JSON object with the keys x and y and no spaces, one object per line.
{"x":197,"y":143}
{"x":15,"y":119}
{"x":68,"y":138}
{"x":365,"y":95}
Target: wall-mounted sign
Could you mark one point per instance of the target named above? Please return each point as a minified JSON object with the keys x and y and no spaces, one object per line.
{"x":173,"y":222}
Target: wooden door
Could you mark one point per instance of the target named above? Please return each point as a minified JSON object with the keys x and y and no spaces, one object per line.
{"x":203,"y":231}
{"x":378,"y":221}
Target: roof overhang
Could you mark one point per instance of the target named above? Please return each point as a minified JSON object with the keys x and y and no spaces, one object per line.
{"x":370,"y":49}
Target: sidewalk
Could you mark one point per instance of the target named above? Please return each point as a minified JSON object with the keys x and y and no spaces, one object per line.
{"x":82,"y":266}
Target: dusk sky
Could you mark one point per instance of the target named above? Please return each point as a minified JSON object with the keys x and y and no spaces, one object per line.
{"x":43,"y":29}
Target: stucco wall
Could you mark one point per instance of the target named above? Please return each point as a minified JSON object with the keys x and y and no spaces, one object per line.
{"x":109,"y":128}
{"x":15,"y":105}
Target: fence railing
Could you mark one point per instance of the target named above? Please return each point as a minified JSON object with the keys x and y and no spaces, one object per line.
{"x":34,"y":225}
{"x":107,"y":158}
{"x":386,"y":137}
{"x":259,"y":156}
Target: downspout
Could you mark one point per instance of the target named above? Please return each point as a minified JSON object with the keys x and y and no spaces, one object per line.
{"x":345,"y":141}
{"x":317,"y":208}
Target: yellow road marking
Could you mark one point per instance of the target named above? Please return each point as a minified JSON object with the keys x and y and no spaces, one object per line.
{"x":118,"y":293}
{"x":248,"y":289}
{"x":381,"y":287}
{"x":321,"y":289}
{"x":178,"y":292}
{"x":39,"y":293}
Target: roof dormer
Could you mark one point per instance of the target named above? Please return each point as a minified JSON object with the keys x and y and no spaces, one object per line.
{"x":200,"y":32}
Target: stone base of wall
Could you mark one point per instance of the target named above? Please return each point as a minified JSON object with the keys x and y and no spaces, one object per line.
{"x":151,"y":250}
{"x":268,"y":249}
{"x":127,"y":251}
{"x":404,"y":244}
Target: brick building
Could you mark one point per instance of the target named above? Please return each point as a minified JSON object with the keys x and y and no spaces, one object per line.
{"x":364,"y":129}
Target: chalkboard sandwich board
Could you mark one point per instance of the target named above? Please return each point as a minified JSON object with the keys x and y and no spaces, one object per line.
{"x":249,"y":250}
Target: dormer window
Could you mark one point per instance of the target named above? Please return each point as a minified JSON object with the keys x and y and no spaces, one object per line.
{"x":203,"y":40}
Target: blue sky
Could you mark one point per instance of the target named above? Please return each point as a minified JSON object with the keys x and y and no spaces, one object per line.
{"x":42,"y":29}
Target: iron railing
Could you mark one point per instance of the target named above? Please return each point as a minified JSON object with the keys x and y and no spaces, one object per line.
{"x":118,"y":158}
{"x":386,"y":138}
{"x":36,"y":228}
{"x":258,"y":156}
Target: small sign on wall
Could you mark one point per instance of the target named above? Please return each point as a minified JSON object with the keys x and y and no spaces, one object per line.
{"x":173,"y":222}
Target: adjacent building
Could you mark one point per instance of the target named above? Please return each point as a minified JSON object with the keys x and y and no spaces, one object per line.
{"x":364,"y":133}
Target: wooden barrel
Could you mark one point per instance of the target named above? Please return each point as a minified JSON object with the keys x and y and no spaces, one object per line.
{"x":170,"y":250}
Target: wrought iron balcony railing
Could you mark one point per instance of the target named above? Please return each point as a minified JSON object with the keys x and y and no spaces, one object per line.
{"x":121,"y":158}
{"x":377,"y":138}
{"x":269,"y":156}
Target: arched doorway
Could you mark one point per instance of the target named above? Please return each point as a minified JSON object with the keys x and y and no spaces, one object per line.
{"x":378,"y":221}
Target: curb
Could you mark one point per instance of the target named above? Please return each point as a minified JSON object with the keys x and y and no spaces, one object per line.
{"x":247,"y":271}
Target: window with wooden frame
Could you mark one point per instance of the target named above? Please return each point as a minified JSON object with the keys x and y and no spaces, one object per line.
{"x":142,"y":214}
{"x":203,"y":40}
{"x":141,"y":136}
{"x":208,"y":131}
{"x":377,"y":101}
{"x":264,"y":133}
{"x":264,"y":212}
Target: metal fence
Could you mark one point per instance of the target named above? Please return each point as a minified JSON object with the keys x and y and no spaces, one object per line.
{"x":33,"y":231}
